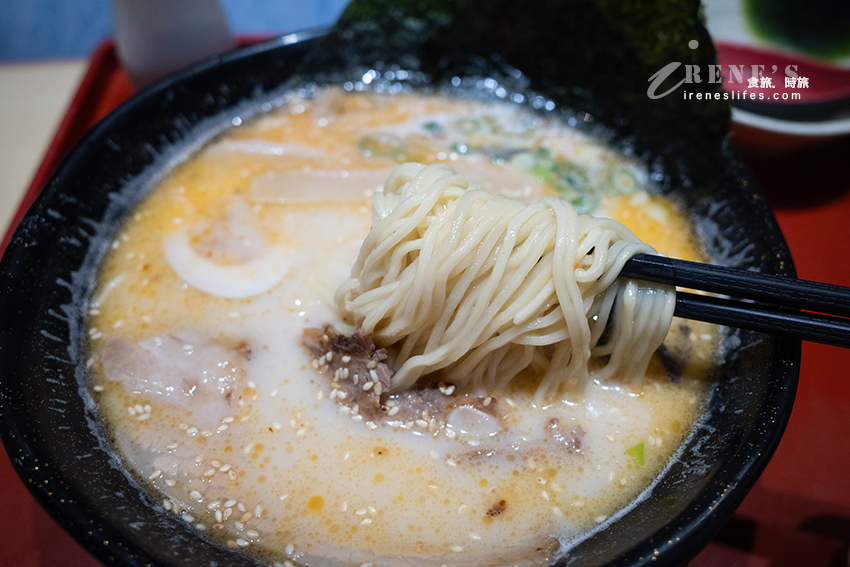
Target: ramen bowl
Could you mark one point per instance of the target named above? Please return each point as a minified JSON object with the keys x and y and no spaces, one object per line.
{"x":58,"y":445}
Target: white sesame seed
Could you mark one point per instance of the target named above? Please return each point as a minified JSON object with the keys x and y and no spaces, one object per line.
{"x":131,"y":411}
{"x":451,"y":463}
{"x":276,"y":425}
{"x":252,"y":533}
{"x":231,"y":475}
{"x":346,"y":359}
{"x":221,"y":427}
{"x":227,"y":512}
{"x":172,"y":446}
{"x":209,"y":473}
{"x":225,"y":467}
{"x":192,"y":431}
{"x":557,"y":511}
{"x":421,"y":423}
{"x":320,"y":395}
{"x":457,"y":548}
{"x":188,"y":518}
{"x":344,"y":506}
{"x":600,"y":519}
{"x":290,"y":549}
{"x":393,"y":411}
{"x":371,"y":365}
{"x":487,"y":401}
{"x":462,"y":509}
{"x":357,"y":417}
{"x":371,"y":425}
{"x":366,"y":522}
{"x":97,"y":388}
{"x":170,"y":482}
{"x":373,"y":375}
{"x":241,"y":507}
{"x":200,"y":527}
{"x":155,"y":474}
{"x":241,"y":542}
{"x":544,"y":494}
{"x":246,"y":517}
{"x":474,"y":536}
{"x":183,"y":427}
{"x":379,"y":389}
{"x":258,"y":511}
{"x":230,"y":504}
{"x":167,"y":504}
{"x":301,"y":432}
{"x":450,"y":390}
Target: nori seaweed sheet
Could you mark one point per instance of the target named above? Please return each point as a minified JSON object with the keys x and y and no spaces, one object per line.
{"x":593,"y":56}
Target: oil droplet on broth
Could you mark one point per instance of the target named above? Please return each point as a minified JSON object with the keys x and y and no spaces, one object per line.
{"x":316,"y":504}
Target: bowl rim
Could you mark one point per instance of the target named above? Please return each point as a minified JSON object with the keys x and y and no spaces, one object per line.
{"x":701,"y":527}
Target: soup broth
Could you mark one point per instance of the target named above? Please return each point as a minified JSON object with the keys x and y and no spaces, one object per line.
{"x":200,"y":368}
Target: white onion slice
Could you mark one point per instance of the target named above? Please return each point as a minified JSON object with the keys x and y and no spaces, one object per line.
{"x":235,"y":280}
{"x":298,"y":187}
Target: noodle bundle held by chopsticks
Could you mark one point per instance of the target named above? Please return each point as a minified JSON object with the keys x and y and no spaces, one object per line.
{"x":483,"y":287}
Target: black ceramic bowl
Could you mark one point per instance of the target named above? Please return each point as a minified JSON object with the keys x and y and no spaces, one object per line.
{"x":50,"y":428}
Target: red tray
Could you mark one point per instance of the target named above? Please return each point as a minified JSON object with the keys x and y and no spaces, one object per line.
{"x":798,"y":513}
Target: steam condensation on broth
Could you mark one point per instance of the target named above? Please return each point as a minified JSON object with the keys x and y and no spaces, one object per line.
{"x":215,"y":403}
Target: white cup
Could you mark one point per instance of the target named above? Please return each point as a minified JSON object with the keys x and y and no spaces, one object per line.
{"x":156,"y":37}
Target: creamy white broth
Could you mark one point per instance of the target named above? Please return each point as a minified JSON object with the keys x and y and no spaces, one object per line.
{"x":215,"y":404}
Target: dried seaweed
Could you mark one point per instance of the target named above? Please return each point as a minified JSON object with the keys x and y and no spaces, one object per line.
{"x":595,"y":56}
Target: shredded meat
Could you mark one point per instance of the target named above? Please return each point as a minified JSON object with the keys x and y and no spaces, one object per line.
{"x":362,"y":380}
{"x":570,"y":439}
{"x":355,"y":364}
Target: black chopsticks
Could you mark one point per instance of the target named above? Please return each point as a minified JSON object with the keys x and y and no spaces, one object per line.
{"x":775,"y":300}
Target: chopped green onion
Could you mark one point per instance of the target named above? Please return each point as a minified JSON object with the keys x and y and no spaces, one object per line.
{"x":636,"y":452}
{"x":434,"y":128}
{"x":623,"y":180}
{"x":382,"y":145}
{"x":568,"y":175}
{"x":585,"y":203}
{"x":469,"y":125}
